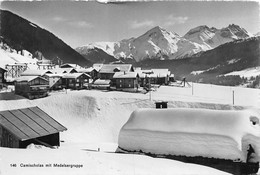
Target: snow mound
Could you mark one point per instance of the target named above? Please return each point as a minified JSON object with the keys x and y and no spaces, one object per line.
{"x":214,"y":133}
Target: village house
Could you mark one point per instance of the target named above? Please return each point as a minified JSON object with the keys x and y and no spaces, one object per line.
{"x":37,"y":72}
{"x":55,"y":81}
{"x":64,"y":70}
{"x":2,"y":77}
{"x":31,"y":86}
{"x":162,"y":76}
{"x":125,"y":80}
{"x":68,"y":65}
{"x":75,"y":80}
{"x":90,"y":71}
{"x":107,"y":71}
{"x":22,"y":127}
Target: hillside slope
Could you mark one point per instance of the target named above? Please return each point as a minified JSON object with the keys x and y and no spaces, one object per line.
{"x":21,"y":34}
{"x":229,"y":57}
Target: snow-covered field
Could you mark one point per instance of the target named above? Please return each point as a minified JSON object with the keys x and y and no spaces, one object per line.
{"x":94,"y":119}
{"x":247,"y":73}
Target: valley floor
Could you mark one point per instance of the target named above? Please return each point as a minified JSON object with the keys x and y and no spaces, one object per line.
{"x":94,"y":119}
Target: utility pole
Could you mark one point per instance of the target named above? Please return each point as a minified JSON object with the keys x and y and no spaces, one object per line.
{"x":233,"y":96}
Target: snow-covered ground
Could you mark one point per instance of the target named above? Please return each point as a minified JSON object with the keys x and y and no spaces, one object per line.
{"x":94,"y":119}
{"x":8,"y":57}
{"x":247,"y":73}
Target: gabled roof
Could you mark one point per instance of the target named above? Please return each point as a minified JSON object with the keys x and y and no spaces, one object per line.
{"x":97,"y":66}
{"x":68,"y":65}
{"x":28,"y":78}
{"x":35,"y":72}
{"x":75,"y":75}
{"x":110,"y":68}
{"x":63,"y":70}
{"x":161,"y":72}
{"x":125,"y":75}
{"x":29,"y":123}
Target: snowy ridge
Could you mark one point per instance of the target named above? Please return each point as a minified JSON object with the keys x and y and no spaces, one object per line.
{"x":218,"y":134}
{"x":158,"y":43}
{"x":210,"y":38}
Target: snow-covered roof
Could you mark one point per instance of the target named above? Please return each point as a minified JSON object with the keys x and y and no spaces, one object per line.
{"x":68,"y":65}
{"x":75,"y":75}
{"x":35,"y":72}
{"x":63,"y":70}
{"x":214,"y":133}
{"x":102,"y":82}
{"x":125,"y":75}
{"x":97,"y":66}
{"x":27,"y":78}
{"x":109,"y":68}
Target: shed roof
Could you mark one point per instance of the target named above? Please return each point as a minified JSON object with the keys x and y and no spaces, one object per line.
{"x":29,"y":123}
{"x":125,"y":75}
{"x":35,"y":72}
{"x":28,"y":78}
{"x":109,"y":68}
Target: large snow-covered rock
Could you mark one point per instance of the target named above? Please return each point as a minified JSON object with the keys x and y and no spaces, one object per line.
{"x":193,"y":132}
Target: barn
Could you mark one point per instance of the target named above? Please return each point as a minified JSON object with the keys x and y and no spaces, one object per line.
{"x":21,"y":127}
{"x":31,"y":86}
{"x":126,"y":80}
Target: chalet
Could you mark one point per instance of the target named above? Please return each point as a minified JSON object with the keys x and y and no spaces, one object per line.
{"x":154,"y":76}
{"x":31,"y":86}
{"x":162,"y":76}
{"x":68,"y":65}
{"x":75,"y":80}
{"x":21,"y":127}
{"x":93,"y":72}
{"x":107,"y":71}
{"x":2,"y":77}
{"x":37,"y":72}
{"x":101,"y":84}
{"x":126,"y":80}
{"x":64,"y":70}
{"x":55,"y":81}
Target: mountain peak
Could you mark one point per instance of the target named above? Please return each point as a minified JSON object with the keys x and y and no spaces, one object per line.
{"x":234,"y":31}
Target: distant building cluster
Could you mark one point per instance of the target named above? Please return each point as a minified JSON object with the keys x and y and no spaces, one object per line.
{"x":35,"y":83}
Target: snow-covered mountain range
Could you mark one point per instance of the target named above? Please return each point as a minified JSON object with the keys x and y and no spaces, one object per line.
{"x":161,"y":44}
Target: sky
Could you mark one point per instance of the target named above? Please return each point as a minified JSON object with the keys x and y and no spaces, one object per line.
{"x":79,"y":22}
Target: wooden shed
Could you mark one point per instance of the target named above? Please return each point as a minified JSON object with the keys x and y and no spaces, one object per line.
{"x":21,"y":127}
{"x":31,"y":86}
{"x":75,"y":80}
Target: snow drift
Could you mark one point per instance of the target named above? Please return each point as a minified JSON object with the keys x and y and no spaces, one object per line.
{"x":193,"y":132}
